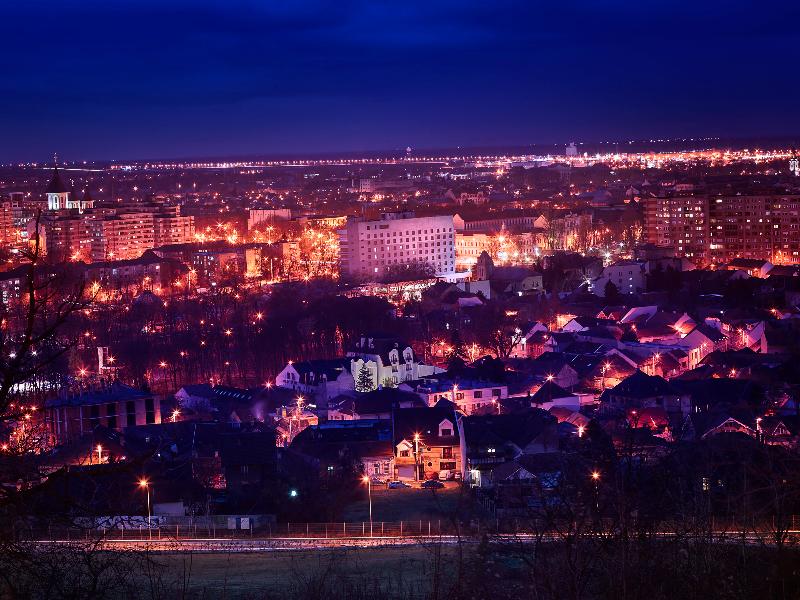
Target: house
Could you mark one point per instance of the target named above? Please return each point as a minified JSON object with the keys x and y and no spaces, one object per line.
{"x":752,"y":266}
{"x":249,"y":460}
{"x":531,"y":343}
{"x":627,"y":276}
{"x":113,"y":406}
{"x":516,"y":280}
{"x":318,"y":380}
{"x":552,"y":366}
{"x":195,"y":397}
{"x":377,"y":404}
{"x":427,"y":442}
{"x":227,"y":404}
{"x":388,"y":361}
{"x":346,"y":447}
{"x":644,"y":391}
{"x":489,"y":441}
{"x":701,"y":341}
{"x":469,"y":395}
{"x":550,"y":394}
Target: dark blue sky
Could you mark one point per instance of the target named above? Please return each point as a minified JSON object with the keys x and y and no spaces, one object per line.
{"x":164,"y":78}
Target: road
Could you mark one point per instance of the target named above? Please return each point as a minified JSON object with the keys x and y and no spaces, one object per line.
{"x":256,"y":544}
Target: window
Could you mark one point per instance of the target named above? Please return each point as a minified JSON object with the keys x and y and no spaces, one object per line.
{"x":491,"y":450}
{"x":496,"y":392}
{"x":111,"y":415}
{"x":130,"y":411}
{"x":477,"y":394}
{"x":149,"y":411}
{"x":404,"y":453}
{"x":447,"y":452}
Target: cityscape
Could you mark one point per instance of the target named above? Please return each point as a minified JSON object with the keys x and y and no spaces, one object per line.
{"x":454,"y":358}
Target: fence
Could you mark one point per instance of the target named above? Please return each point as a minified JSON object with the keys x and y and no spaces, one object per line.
{"x":233,"y":528}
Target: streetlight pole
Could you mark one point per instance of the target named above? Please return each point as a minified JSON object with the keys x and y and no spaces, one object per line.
{"x":368,"y":481}
{"x":146,"y":485}
{"x":596,"y":479}
{"x":416,"y":457}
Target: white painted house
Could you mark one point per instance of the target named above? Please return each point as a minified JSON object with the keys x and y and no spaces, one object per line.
{"x":389,"y":361}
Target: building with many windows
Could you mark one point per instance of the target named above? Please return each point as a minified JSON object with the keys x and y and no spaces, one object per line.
{"x":679,"y":222}
{"x":370,"y":249}
{"x":765,"y":227}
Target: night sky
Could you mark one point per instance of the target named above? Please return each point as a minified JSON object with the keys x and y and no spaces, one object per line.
{"x":172,"y":78}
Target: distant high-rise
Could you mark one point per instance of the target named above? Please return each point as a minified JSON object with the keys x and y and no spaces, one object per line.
{"x":572,"y":149}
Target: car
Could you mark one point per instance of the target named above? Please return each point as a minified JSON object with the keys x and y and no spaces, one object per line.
{"x":432,"y":484}
{"x":393,"y":485}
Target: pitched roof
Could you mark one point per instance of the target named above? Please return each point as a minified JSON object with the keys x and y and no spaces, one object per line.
{"x":331,"y":368}
{"x":425,"y":422}
{"x":641,"y":385}
{"x":519,"y":429}
{"x":383,"y":401}
{"x":381,"y":345}
{"x":548,"y":391}
{"x":116,"y":392}
{"x":56,"y":185}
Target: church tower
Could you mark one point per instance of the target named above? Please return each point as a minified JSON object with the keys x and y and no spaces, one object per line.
{"x":57,"y":193}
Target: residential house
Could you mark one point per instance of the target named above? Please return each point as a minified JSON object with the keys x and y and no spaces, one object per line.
{"x":346,"y":447}
{"x":319,"y":380}
{"x":427,"y":442}
{"x":489,"y":441}
{"x":469,"y":395}
{"x":644,"y":391}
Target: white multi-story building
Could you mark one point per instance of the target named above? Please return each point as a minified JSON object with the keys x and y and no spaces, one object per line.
{"x":370,"y":248}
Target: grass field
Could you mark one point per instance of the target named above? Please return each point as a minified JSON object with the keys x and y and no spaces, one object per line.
{"x":410,"y":504}
{"x":365,"y":573}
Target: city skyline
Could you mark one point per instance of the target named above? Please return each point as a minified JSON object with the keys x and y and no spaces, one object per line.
{"x":203,"y":79}
{"x":382,"y":300}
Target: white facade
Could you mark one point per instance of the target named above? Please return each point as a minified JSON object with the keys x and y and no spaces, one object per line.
{"x":369,"y":248}
{"x":627,"y":276}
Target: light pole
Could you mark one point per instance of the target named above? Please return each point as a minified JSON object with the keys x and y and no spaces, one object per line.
{"x":416,"y":457}
{"x":143,"y":483}
{"x":367,"y":480}
{"x":596,"y":479}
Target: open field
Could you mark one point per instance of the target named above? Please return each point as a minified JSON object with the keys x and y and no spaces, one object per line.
{"x":414,"y":503}
{"x":405,"y":572}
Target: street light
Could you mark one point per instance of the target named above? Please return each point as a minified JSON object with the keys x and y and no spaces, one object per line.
{"x":596,"y":479}
{"x":367,"y":480}
{"x":416,"y":457}
{"x":144,"y":484}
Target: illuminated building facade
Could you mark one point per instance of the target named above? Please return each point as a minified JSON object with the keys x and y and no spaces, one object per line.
{"x":678,"y":222}
{"x":755,"y":226}
{"x":370,"y":248}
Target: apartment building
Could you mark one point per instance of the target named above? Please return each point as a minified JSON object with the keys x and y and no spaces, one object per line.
{"x":679,"y":222}
{"x":370,"y":248}
{"x":764,"y":227}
